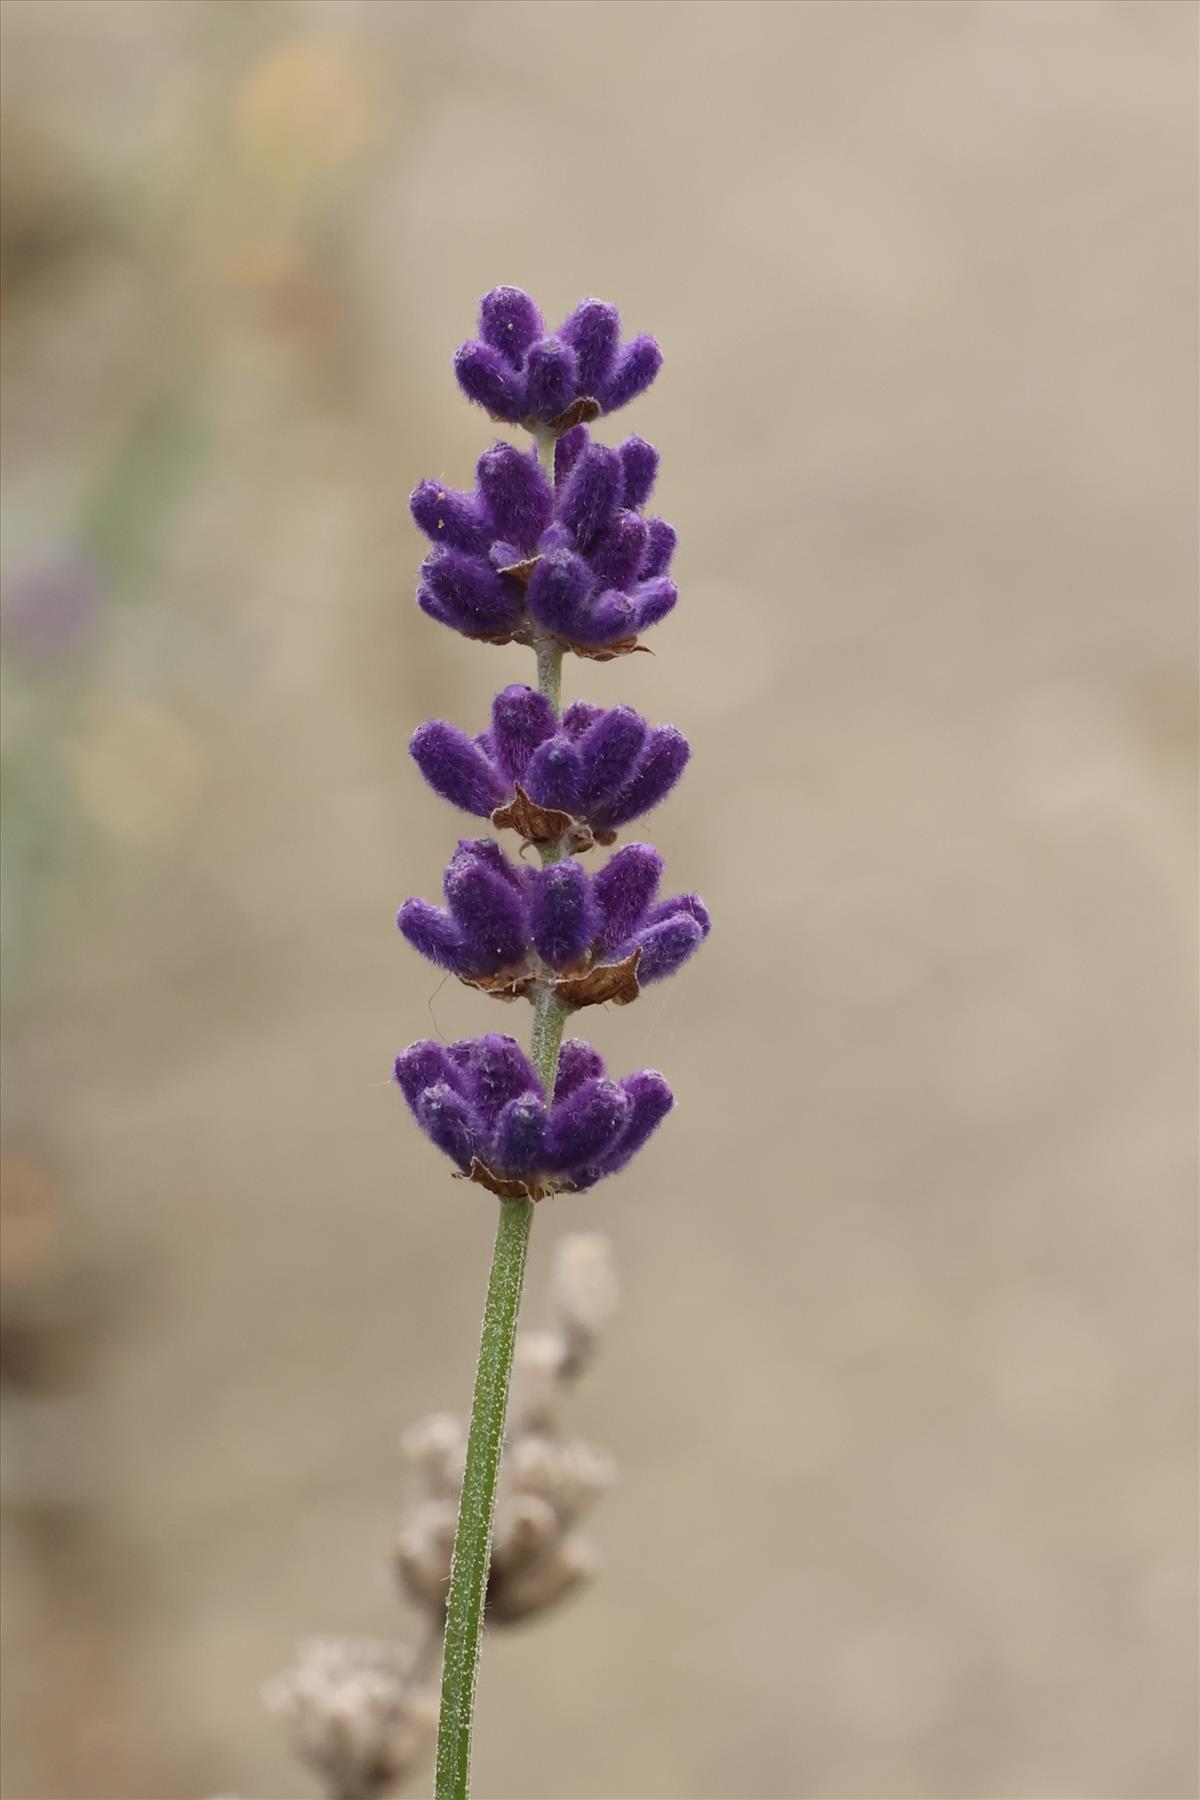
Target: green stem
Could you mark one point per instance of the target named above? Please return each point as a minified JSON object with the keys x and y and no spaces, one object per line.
{"x":467,"y":1599}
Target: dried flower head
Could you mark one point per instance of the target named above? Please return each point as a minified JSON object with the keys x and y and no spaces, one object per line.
{"x":355,"y":1714}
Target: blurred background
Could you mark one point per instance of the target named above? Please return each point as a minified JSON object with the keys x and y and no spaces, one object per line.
{"x":903,"y":1391}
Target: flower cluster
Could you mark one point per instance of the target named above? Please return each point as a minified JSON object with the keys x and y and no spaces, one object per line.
{"x":551,"y":549}
{"x":510,"y":930}
{"x":573,"y":559}
{"x":481,"y":1102}
{"x":599,"y":769}
{"x":520,"y":373}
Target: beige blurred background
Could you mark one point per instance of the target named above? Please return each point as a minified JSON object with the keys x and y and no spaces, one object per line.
{"x":903,"y":1392}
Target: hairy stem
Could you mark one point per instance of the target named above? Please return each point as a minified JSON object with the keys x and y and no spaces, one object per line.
{"x":489,"y":1406}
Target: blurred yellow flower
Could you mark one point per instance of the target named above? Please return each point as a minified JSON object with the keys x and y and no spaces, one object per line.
{"x":139,"y":771}
{"x":301,"y":113}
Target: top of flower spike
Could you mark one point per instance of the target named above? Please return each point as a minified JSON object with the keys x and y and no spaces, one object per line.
{"x":519,"y":372}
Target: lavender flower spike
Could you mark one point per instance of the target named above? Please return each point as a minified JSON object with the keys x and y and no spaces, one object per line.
{"x":552,"y":548}
{"x":520,"y":373}
{"x":480,"y":1101}
{"x":578,"y":780}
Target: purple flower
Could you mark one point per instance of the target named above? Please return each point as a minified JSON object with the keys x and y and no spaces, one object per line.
{"x":481,"y":1103}
{"x":577,"y":560}
{"x":519,"y":372}
{"x":512,"y":931}
{"x":598,"y":769}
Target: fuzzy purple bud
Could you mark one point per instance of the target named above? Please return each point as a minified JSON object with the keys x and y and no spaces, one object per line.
{"x":521,"y":720}
{"x":620,"y":552}
{"x":423,"y":1065}
{"x":449,"y":518}
{"x":624,"y":890}
{"x":650,"y":1101}
{"x":636,"y":367}
{"x":659,"y":768}
{"x":456,"y":768}
{"x":607,"y":752}
{"x":660,"y":548}
{"x":518,"y":495}
{"x":640,"y":463}
{"x":490,"y":381}
{"x":495,"y":1070}
{"x":562,"y":598}
{"x":593,"y":331}
{"x":488,"y":912}
{"x":665,"y":947}
{"x":472,"y":597}
{"x":510,"y":322}
{"x":564,"y":918}
{"x":577,"y":1063}
{"x":592,"y":494}
{"x":554,"y":776}
{"x":553,"y":379}
{"x":433,"y":934}
{"x":519,"y":1138}
{"x":447,"y":1119}
{"x":584,"y":1125}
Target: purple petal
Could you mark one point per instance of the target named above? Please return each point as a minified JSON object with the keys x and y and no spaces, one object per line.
{"x":552,"y":375}
{"x":659,"y":768}
{"x":660,"y":548}
{"x":519,"y":1136}
{"x":585,"y":1125}
{"x":563,"y":917}
{"x":577,"y":1063}
{"x":456,"y":768}
{"x":489,"y":380}
{"x":624,"y":891}
{"x":509,"y":321}
{"x":449,"y":517}
{"x":517,"y":493}
{"x":592,"y":331}
{"x":592,"y":494}
{"x":607,"y":753}
{"x":521,"y":720}
{"x":640,"y":463}
{"x":636,"y":367}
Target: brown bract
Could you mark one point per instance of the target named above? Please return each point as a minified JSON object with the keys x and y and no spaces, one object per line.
{"x":512,"y":1187}
{"x":547,"y":825}
{"x":617,"y":982}
{"x":513,"y":984}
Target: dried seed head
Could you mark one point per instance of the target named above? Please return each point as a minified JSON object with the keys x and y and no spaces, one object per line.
{"x":353,"y":1714}
{"x":583,"y":1294}
{"x":423,"y":1551}
{"x":437,"y":1445}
